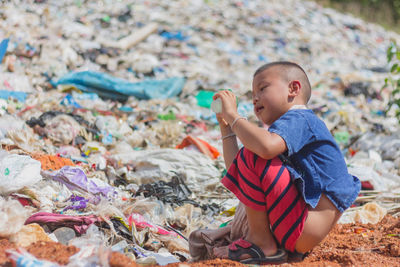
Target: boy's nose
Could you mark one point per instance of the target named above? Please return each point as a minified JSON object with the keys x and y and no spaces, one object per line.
{"x":255,"y":99}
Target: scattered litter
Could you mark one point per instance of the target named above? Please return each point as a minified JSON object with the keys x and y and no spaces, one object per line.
{"x":110,"y":147}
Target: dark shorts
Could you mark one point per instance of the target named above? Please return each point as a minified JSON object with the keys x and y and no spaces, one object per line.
{"x":266,"y":185}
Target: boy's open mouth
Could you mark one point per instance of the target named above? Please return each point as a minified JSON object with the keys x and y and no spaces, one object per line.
{"x":258,"y":109}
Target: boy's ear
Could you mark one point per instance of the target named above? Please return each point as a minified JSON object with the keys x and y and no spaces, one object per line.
{"x":294,"y":88}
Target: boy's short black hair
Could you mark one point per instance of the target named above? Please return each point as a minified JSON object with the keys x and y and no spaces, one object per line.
{"x":292,"y":71}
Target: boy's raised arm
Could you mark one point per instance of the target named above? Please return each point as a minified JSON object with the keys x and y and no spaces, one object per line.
{"x":258,"y":140}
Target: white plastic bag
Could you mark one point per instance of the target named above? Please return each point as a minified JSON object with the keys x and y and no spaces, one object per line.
{"x":12,"y":217}
{"x":93,"y":251}
{"x":370,"y":213}
{"x":17,"y":171}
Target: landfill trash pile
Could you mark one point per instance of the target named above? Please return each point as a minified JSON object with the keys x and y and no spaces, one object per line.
{"x":110,"y":153}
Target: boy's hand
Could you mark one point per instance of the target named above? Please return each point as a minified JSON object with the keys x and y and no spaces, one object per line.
{"x":229,"y":109}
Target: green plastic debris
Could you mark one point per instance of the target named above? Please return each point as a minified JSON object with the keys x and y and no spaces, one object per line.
{"x":6,"y":171}
{"x":205,"y":98}
{"x":78,"y":3}
{"x":223,"y":173}
{"x":223,"y":224}
{"x":106,"y":18}
{"x":167,"y":117}
{"x":342,"y":137}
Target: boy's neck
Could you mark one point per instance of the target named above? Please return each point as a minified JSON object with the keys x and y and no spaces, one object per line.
{"x":298,"y":107}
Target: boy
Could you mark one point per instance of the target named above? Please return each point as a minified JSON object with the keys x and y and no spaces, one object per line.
{"x":290,"y":203}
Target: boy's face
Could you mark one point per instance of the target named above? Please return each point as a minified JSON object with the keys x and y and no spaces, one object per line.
{"x":270,"y":95}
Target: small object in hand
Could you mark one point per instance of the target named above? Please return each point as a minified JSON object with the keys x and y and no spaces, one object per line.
{"x":216,"y":105}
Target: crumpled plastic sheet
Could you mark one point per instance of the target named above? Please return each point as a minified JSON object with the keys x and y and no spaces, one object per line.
{"x":9,"y":123}
{"x":92,"y":249}
{"x":156,"y":164}
{"x":3,"y":48}
{"x":20,"y":96}
{"x":111,"y":87}
{"x":62,"y":129}
{"x":75,"y":179}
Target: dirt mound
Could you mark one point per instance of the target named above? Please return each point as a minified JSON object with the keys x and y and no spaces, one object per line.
{"x":347,"y":245}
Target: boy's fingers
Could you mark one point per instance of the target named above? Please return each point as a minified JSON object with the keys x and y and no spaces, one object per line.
{"x":216,"y":95}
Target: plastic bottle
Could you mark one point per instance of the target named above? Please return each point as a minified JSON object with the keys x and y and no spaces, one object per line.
{"x":64,"y":235}
{"x":216,"y":105}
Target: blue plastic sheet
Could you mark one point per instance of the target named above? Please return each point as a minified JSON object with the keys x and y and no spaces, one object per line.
{"x":69,"y":100}
{"x":174,"y":36}
{"x":108,"y":86}
{"x":20,"y":96}
{"x":3,"y":48}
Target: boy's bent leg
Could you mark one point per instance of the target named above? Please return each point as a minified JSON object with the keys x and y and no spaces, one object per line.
{"x":318,"y":224}
{"x":259,"y":231}
{"x":272,"y":201}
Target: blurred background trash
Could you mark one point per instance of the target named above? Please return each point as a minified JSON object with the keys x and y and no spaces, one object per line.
{"x":105,"y":117}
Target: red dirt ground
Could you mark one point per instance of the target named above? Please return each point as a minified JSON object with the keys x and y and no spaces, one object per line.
{"x":347,"y":245}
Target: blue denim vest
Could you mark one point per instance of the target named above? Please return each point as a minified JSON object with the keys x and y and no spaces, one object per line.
{"x":314,"y":159}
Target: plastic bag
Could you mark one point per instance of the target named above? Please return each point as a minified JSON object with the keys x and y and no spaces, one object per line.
{"x":163,"y":164}
{"x":141,"y":222}
{"x":29,"y":234}
{"x":15,"y":82}
{"x":62,"y":129}
{"x":151,"y":258}
{"x":12,"y":216}
{"x":10,"y":123}
{"x":370,"y":213}
{"x":75,"y":179}
{"x":17,"y":171}
{"x":92,"y":249}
